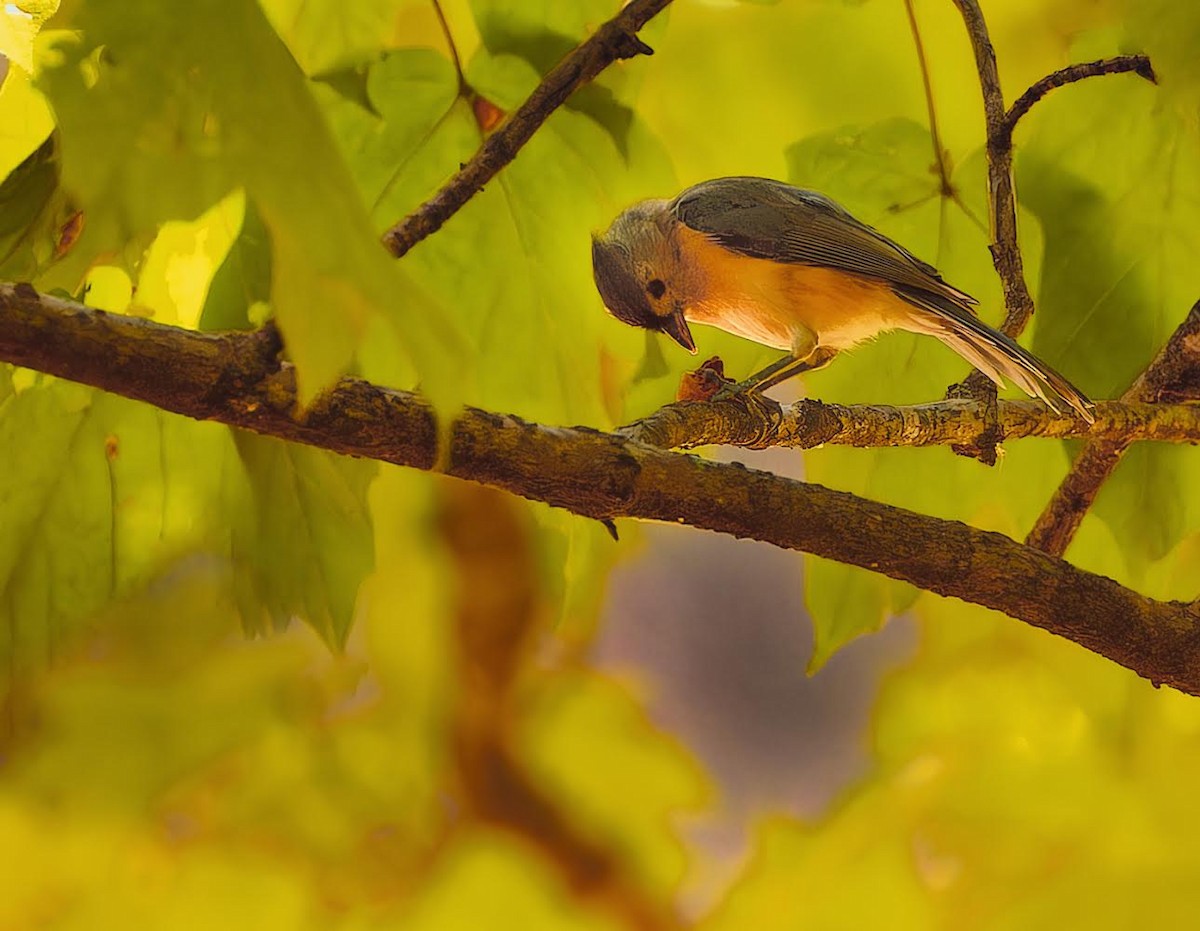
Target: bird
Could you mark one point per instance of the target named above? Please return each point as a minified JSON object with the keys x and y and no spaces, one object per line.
{"x":791,"y":269}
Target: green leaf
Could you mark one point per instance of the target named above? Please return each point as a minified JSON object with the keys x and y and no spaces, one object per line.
{"x":846,"y":602}
{"x":102,"y":494}
{"x":303,"y":542}
{"x":856,"y":872}
{"x":542,"y":33}
{"x":1113,"y":172}
{"x":1167,"y":32}
{"x":516,"y":258}
{"x":157,"y":123}
{"x":493,"y":866}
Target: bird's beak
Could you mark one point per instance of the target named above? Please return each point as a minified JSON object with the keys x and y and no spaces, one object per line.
{"x":675,"y":326}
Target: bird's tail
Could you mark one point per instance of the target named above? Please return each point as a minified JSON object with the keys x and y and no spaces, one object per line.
{"x":996,"y":355}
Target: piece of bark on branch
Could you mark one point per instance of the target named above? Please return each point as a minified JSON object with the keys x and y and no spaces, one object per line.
{"x":234,"y":378}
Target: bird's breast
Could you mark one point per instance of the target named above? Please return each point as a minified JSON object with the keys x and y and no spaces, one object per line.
{"x":785,"y":305}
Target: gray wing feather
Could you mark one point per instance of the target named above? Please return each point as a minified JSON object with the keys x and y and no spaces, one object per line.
{"x":771,"y":220}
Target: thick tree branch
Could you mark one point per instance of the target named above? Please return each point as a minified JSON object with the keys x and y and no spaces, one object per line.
{"x":1174,"y":375}
{"x":234,"y":378}
{"x":752,"y":424}
{"x":614,"y":40}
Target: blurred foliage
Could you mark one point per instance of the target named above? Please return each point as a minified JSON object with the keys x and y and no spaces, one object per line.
{"x":420,"y":742}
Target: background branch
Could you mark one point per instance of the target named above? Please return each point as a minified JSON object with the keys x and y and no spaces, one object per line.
{"x":499,"y":622}
{"x":1174,"y":375}
{"x":234,"y":378}
{"x":614,"y":40}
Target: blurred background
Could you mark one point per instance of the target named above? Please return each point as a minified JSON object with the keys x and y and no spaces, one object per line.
{"x":457,"y":709}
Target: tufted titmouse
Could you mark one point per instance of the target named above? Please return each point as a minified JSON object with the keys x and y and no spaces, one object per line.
{"x":791,"y":269}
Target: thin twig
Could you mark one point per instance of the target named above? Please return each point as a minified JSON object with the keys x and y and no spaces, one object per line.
{"x":237,"y":379}
{"x":1174,"y":375}
{"x":615,"y":39}
{"x":939,"y":153}
{"x":1122,"y":64}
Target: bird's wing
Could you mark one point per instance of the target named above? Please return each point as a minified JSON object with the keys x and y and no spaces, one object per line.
{"x":771,"y":220}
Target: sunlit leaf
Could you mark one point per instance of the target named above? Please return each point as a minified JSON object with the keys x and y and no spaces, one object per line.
{"x":324,"y":34}
{"x":174,"y":283}
{"x":159,"y":126}
{"x":19,"y":24}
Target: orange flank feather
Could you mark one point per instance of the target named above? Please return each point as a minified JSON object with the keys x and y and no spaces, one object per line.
{"x":785,"y":306}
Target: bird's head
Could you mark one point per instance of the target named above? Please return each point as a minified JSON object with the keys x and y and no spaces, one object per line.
{"x":632,"y":263}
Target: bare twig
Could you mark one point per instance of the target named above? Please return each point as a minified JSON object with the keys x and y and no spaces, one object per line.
{"x":235,"y":378}
{"x":614,"y":40}
{"x":1002,"y":201}
{"x":1122,"y":64}
{"x":809,"y":423}
{"x":1174,"y":375}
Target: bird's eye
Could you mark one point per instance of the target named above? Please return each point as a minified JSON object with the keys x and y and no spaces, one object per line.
{"x":657,"y":288}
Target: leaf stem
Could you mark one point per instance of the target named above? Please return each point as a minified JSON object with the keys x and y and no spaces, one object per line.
{"x":939,"y":152}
